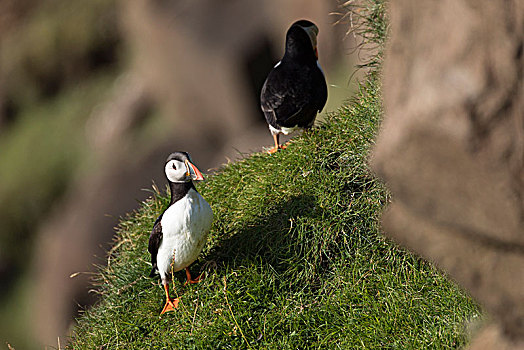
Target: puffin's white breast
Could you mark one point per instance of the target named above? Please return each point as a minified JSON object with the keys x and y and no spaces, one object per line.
{"x":185,"y":226}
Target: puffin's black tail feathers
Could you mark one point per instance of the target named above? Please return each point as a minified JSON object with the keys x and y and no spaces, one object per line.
{"x":153,"y":272}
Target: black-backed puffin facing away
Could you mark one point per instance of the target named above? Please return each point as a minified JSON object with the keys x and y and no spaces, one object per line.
{"x":295,"y":89}
{"x":179,"y":233}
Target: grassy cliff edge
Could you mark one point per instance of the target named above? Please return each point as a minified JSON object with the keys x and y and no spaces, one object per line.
{"x":295,"y":259}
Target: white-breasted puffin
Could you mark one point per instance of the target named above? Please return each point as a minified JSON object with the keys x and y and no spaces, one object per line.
{"x":180,"y":232}
{"x":295,"y":89}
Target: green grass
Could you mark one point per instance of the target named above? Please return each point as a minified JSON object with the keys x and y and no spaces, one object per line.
{"x":295,"y":260}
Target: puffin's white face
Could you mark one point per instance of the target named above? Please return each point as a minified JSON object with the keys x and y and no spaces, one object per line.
{"x":176,"y":171}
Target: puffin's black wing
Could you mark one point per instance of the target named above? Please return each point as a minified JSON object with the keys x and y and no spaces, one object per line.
{"x":320,"y":93}
{"x":154,"y":243}
{"x":293,"y":94}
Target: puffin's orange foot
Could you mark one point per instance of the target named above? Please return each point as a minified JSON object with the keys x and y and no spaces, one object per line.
{"x":190,"y":280}
{"x":171,"y":305}
{"x":273,"y":150}
{"x":284,"y":146}
{"x":277,"y":144}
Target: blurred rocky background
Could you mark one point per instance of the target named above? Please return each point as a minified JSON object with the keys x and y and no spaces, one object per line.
{"x":452,"y":149}
{"x":93,"y":96}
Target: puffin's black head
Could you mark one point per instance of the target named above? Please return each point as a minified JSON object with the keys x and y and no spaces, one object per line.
{"x":179,"y":168}
{"x":301,"y":40}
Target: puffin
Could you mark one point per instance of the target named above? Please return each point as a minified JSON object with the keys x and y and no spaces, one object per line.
{"x":295,"y":89}
{"x":180,"y":232}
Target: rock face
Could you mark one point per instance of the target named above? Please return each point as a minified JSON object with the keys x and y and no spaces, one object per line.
{"x":452,"y":149}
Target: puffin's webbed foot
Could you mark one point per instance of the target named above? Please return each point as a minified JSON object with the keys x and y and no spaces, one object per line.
{"x":273,"y":150}
{"x":171,"y":305}
{"x":277,"y":144}
{"x":191,"y":280}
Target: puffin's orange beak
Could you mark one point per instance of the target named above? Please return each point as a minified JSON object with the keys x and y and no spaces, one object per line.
{"x":193,"y":172}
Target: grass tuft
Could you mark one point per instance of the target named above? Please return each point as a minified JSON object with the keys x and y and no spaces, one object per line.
{"x":367,"y":23}
{"x":295,"y":260}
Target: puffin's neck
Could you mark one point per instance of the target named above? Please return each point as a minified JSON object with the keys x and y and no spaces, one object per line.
{"x":179,"y":190}
{"x":298,"y":50}
{"x":303,"y":57}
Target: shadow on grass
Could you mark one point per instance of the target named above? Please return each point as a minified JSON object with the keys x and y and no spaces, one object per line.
{"x":276,"y":239}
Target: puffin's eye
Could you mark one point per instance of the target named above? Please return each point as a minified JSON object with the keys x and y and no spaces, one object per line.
{"x":174,"y":165}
